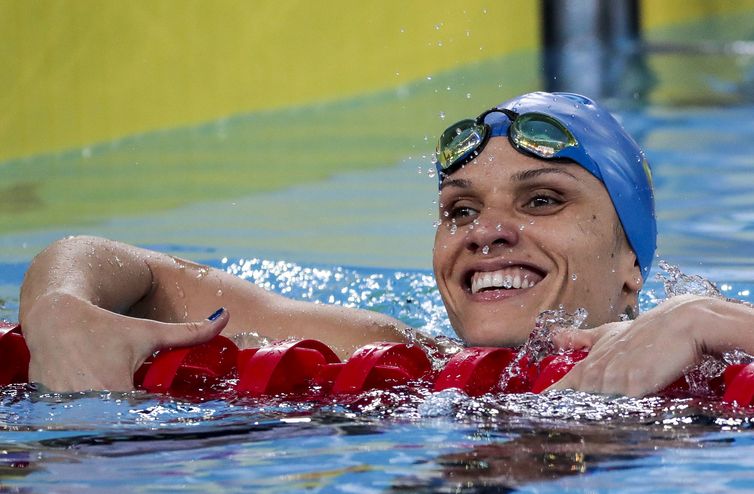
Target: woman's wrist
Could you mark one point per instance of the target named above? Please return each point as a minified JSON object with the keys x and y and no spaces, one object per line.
{"x":720,"y":326}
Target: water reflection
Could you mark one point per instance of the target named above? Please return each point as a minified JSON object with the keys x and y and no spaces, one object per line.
{"x":403,"y":440}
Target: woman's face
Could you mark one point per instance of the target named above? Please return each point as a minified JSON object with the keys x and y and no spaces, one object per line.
{"x":520,"y":235}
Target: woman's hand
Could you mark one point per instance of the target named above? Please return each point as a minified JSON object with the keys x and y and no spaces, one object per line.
{"x":640,"y":357}
{"x":76,"y":345}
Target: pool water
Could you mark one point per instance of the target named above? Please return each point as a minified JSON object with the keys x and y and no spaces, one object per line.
{"x":404,"y":440}
{"x":326,"y":241}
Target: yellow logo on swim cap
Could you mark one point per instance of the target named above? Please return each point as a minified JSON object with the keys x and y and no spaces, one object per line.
{"x":647,"y":172}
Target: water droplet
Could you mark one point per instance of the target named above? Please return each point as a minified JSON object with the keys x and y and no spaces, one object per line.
{"x":447,"y":88}
{"x":499,"y":227}
{"x":419,"y":169}
{"x":574,"y":277}
{"x":435,"y":224}
{"x":431,"y":172}
{"x":446,"y":213}
{"x":429,"y":77}
{"x":442,"y":115}
{"x":219,"y":293}
{"x":486,"y":250}
{"x":453,"y":229}
{"x":521,"y":227}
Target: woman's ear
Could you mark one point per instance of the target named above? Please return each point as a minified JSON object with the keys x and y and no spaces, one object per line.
{"x":632,"y":284}
{"x":632,"y":279}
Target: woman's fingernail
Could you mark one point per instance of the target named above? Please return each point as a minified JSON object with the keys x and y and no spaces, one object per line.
{"x":216,"y":314}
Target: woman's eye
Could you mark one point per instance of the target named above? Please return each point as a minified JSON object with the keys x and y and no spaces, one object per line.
{"x":461,"y":213}
{"x":543,"y":201}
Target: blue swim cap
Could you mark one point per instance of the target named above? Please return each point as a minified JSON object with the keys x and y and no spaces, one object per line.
{"x":610,"y":154}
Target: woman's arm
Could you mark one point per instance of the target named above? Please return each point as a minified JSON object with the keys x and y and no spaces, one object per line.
{"x":639,"y":357}
{"x":93,"y":310}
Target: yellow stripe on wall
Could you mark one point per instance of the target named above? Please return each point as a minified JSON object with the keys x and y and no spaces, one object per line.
{"x":84,"y":71}
{"x":663,"y":12}
{"x":76,"y":72}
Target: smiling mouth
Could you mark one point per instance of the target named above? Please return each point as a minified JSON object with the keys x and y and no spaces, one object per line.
{"x":510,"y":278}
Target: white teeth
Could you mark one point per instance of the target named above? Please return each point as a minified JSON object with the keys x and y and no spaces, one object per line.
{"x":497,"y":278}
{"x":500,"y":279}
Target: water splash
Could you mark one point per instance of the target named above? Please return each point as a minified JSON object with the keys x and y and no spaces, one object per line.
{"x":439,"y":349}
{"x":678,"y":283}
{"x":699,"y":376}
{"x":540,"y":344}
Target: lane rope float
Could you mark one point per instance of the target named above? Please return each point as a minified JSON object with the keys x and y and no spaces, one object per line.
{"x":310,"y":369}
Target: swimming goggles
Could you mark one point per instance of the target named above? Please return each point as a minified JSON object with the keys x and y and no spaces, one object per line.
{"x":533,"y":133}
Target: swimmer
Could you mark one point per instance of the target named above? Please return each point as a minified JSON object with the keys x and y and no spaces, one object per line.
{"x":545,"y":202}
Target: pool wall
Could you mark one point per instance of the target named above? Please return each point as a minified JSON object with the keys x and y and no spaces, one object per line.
{"x":86,"y":71}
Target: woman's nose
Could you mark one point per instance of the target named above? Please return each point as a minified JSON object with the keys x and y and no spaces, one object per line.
{"x":487,"y":236}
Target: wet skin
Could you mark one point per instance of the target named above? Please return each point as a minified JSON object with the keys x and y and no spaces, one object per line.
{"x":543,"y":233}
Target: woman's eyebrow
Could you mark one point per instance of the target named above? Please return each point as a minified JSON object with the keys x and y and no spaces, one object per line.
{"x":537,"y":172}
{"x":455,"y":182}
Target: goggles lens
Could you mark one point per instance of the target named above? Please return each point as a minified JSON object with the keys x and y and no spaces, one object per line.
{"x":535,"y":133}
{"x":460,"y":141}
{"x":540,"y":134}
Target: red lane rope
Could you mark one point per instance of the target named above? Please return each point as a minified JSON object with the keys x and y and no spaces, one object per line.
{"x":311,"y":369}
